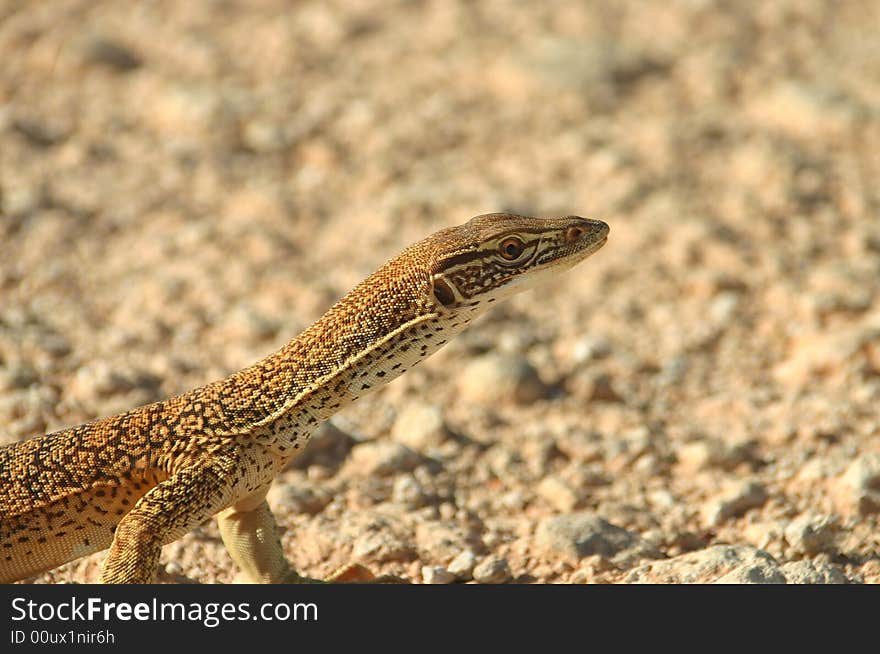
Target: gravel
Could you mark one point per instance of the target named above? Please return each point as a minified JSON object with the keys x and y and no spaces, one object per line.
{"x":578,"y":535}
{"x":735,"y":564}
{"x":174,"y":209}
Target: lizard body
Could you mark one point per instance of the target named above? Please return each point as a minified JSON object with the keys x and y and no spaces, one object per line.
{"x":138,"y":480}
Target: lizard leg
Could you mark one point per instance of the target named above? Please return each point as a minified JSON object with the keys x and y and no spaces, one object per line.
{"x":251,"y":536}
{"x":168,"y":511}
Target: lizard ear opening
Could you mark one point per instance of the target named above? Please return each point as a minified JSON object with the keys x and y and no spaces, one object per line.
{"x":443,"y":292}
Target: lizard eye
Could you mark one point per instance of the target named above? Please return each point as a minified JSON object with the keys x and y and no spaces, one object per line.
{"x":511,"y":248}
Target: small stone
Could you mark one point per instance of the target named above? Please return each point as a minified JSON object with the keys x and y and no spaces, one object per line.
{"x":420,"y":426}
{"x":382,"y":459}
{"x":442,"y":540}
{"x":492,"y":570}
{"x":112,"y":54}
{"x":600,"y":388}
{"x":436,"y":574}
{"x":408,"y":492}
{"x":749,"y":565}
{"x":590,"y":348}
{"x":699,"y":455}
{"x":17,"y":377}
{"x":579,"y":577}
{"x":498,"y":377}
{"x":264,"y":137}
{"x":382,"y":546}
{"x":20,"y":200}
{"x":861,"y":484}
{"x":558,"y":493}
{"x":581,"y":446}
{"x":821,"y":353}
{"x":98,"y":380}
{"x":811,"y":534}
{"x":813,"y":572}
{"x":462,"y":566}
{"x":38,"y":133}
{"x":734,"y":502}
{"x":753,"y":573}
{"x":173,"y":568}
{"x":723,"y":307}
{"x":709,"y":452}
{"x":577,"y":535}
{"x":298,"y":498}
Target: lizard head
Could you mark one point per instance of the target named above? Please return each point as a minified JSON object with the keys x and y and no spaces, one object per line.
{"x":496,"y":255}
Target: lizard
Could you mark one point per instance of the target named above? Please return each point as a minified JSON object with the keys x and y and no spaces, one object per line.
{"x":143,"y":478}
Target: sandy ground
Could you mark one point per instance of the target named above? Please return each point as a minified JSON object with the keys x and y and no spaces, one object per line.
{"x":184,"y":186}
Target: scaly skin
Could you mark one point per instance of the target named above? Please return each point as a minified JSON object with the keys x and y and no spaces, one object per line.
{"x":135,"y":481}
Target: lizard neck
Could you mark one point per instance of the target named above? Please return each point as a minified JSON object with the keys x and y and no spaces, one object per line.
{"x":354,"y":348}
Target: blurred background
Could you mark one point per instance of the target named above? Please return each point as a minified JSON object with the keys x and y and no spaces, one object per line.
{"x":184,"y":186}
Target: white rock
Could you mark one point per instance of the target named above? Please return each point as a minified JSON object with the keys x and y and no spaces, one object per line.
{"x":436,"y":574}
{"x":558,"y":493}
{"x":499,"y":377}
{"x":420,"y":426}
{"x":862,"y":481}
{"x":753,"y":573}
{"x":462,"y":566}
{"x":492,"y":570}
{"x":173,"y":568}
{"x":748,"y":565}
{"x":590,"y":347}
{"x":382,"y":458}
{"x":734,"y":501}
{"x":813,"y":572}
{"x":577,"y":535}
{"x":408,"y":492}
{"x":810,"y":534}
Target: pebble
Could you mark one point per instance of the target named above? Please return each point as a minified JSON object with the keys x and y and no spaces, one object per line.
{"x":298,"y":497}
{"x":420,"y":426}
{"x":827,"y":351}
{"x":810,"y":534}
{"x":462,"y":566}
{"x":408,"y":492}
{"x":492,"y":570}
{"x":733,"y":502}
{"x":600,"y":388}
{"x":500,"y":377}
{"x":173,"y":568}
{"x":707,"y":453}
{"x":98,"y":380}
{"x":17,"y":377}
{"x":112,"y":54}
{"x":382,"y":546}
{"x":436,"y":574}
{"x":558,"y":493}
{"x":382,"y":458}
{"x":813,"y":572}
{"x":753,"y":573}
{"x":577,"y":535}
{"x":590,"y":348}
{"x":711,"y":564}
{"x":801,"y":110}
{"x":443,"y":540}
{"x":861,"y":484}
